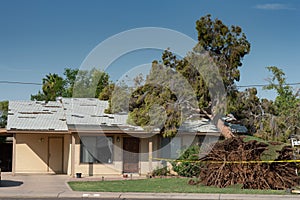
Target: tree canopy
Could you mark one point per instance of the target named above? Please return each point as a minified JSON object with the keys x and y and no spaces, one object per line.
{"x":179,"y":89}
{"x":75,"y":83}
{"x":286,"y":107}
{"x":3,"y":113}
{"x":225,"y":47}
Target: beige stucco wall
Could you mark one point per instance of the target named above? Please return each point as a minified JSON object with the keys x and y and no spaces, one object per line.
{"x":32,"y":153}
{"x":116,"y":168}
{"x":146,"y":165}
{"x":99,"y":169}
{"x":67,"y":147}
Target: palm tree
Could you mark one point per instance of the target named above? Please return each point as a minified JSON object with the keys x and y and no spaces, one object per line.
{"x":53,"y":86}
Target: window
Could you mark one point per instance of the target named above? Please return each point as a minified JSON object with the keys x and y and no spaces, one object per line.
{"x":96,"y":149}
{"x":171,"y":147}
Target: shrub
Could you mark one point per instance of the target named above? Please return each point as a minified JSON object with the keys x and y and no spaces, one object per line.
{"x":188,"y":168}
{"x":164,"y":171}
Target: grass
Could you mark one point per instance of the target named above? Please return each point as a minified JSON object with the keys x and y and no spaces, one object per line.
{"x":271,"y":152}
{"x":160,"y":185}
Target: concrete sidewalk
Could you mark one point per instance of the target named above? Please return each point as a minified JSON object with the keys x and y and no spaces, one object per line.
{"x":33,"y":185}
{"x":55,"y":186}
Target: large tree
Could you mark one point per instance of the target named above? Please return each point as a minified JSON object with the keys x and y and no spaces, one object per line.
{"x":90,"y":83}
{"x":225,"y":48}
{"x":69,"y":81}
{"x":226,"y":45}
{"x":286,"y":116}
{"x":53,"y":86}
{"x":75,"y":83}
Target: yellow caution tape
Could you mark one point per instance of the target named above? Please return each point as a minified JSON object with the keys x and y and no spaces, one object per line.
{"x":228,"y":162}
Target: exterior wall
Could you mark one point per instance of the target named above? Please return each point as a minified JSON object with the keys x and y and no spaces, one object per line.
{"x":32,"y":153}
{"x":97,"y":168}
{"x":147,"y":165}
{"x":116,"y":168}
{"x":67,"y":147}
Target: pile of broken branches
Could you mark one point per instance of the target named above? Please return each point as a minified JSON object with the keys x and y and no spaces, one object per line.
{"x":225,"y":166}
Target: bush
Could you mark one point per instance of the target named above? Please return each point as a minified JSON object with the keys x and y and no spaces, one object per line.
{"x":161,"y":171}
{"x":188,"y":168}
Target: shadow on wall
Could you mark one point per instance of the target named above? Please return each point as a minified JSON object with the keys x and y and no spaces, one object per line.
{"x":9,"y":183}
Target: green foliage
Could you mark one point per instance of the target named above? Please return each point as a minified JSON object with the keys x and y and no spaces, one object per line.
{"x":188,"y":169}
{"x":164,"y":171}
{"x":273,"y":121}
{"x":246,"y":107}
{"x":90,"y":83}
{"x":191,"y":74}
{"x":76,"y":83}
{"x":107,"y":92}
{"x":226,"y":45}
{"x":226,"y":48}
{"x":285,"y":119}
{"x":153,"y":106}
{"x":3,"y":113}
{"x":69,"y":81}
{"x":53,"y":86}
{"x":271,"y":153}
{"x":38,"y":97}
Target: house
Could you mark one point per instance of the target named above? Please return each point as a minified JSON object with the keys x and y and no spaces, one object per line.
{"x":74,"y":135}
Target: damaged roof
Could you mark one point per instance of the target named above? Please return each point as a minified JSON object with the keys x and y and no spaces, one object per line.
{"x":79,"y":113}
{"x":36,"y":115}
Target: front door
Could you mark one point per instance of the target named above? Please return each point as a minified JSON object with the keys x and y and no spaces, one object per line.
{"x":56,"y":154}
{"x":131,"y":148}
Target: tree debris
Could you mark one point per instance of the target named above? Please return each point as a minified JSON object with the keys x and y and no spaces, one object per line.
{"x":225,"y":166}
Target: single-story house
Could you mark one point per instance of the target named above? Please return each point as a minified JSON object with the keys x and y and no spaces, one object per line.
{"x":75,"y":135}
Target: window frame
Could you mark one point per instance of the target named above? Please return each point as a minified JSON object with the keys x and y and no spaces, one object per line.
{"x":170,"y":154}
{"x":95,"y":160}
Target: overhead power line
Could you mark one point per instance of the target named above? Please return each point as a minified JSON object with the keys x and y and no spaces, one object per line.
{"x":262,"y":85}
{"x":238,"y":86}
{"x":19,"y":82}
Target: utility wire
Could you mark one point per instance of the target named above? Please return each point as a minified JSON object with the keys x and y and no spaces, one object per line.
{"x":19,"y":83}
{"x":262,"y":85}
{"x":238,"y":86}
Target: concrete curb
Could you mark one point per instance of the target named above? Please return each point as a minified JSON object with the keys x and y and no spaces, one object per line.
{"x":182,"y":196}
{"x":117,"y":195}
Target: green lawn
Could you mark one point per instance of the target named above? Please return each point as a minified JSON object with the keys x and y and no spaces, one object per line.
{"x":272,"y":150}
{"x":160,"y":185}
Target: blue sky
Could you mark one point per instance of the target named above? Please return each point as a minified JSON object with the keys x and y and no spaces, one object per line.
{"x":41,"y":37}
